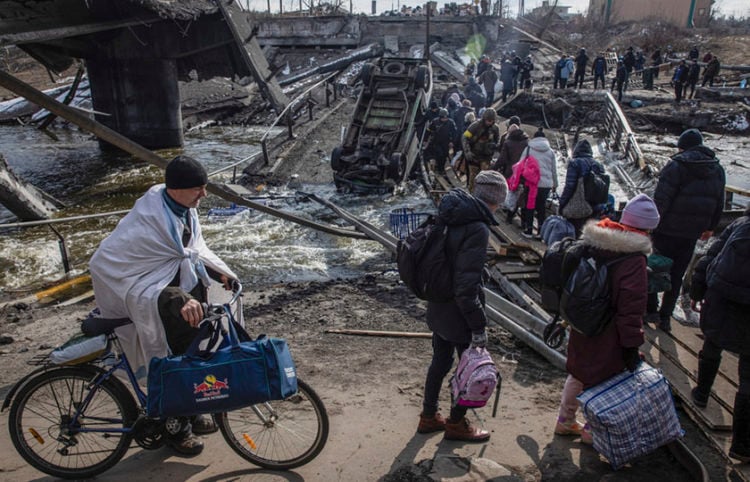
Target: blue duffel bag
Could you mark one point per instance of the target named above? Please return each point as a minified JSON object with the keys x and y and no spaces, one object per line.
{"x":241,"y":372}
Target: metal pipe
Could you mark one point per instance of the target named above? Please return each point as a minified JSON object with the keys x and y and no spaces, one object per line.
{"x":63,"y":250}
{"x":553,"y":356}
{"x":42,"y":222}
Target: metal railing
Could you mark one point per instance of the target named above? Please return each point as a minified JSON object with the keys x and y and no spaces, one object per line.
{"x":286,"y":114}
{"x":620,"y":137}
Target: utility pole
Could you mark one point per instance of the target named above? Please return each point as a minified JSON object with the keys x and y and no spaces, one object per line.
{"x":427,"y":32}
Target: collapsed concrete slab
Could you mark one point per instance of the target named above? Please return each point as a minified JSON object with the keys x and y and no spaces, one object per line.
{"x":22,"y":199}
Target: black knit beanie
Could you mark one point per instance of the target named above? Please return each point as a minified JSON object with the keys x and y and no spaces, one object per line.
{"x":690,"y":138}
{"x":184,"y":172}
{"x":539,"y":133}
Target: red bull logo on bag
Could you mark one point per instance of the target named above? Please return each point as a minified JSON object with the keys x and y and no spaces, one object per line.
{"x":211,"y":389}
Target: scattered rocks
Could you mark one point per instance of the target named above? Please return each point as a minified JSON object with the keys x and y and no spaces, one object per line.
{"x":6,"y":339}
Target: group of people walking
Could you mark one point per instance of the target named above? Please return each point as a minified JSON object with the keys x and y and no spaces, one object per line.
{"x":686,"y":206}
{"x":686,"y":75}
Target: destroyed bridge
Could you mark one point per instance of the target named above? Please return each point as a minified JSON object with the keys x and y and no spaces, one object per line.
{"x":136,"y":51}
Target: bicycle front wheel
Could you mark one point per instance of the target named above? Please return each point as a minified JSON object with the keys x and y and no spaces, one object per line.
{"x":65,"y":427}
{"x":278,"y":435}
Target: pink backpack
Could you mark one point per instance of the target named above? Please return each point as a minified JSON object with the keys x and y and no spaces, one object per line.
{"x":475,"y":379}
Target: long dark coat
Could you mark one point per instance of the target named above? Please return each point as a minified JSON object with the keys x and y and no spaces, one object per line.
{"x":597,"y":358}
{"x":690,"y":193}
{"x":468,"y":219}
{"x":721,"y":280}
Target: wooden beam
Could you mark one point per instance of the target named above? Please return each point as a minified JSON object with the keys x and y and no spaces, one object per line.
{"x":389,"y":334}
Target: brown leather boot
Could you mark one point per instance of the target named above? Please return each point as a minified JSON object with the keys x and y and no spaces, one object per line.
{"x":464,"y":431}
{"x":436,"y":423}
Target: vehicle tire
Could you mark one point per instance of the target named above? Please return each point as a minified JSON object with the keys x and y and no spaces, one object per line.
{"x":280,"y":434}
{"x":366,"y":74}
{"x":394,"y":68}
{"x":421,"y":78}
{"x":336,"y":159}
{"x":395,"y":168}
{"x":42,"y":431}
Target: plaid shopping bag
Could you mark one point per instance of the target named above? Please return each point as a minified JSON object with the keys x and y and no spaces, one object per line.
{"x":631,"y":414}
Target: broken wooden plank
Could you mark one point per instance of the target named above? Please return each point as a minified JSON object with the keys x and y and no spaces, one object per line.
{"x":389,"y":334}
{"x":692,"y":339}
{"x":723,"y":389}
{"x":715,"y":416}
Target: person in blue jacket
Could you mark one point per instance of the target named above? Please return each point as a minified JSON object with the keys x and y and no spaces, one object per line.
{"x":582,"y":162}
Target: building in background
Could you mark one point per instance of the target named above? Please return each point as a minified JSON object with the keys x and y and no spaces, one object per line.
{"x":683,"y":13}
{"x":561,"y":12}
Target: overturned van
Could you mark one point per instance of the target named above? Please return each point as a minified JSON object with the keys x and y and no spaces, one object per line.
{"x":380,"y":145}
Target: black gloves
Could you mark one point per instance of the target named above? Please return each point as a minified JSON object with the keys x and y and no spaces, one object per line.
{"x":631,"y":357}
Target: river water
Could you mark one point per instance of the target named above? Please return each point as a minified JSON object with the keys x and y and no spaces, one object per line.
{"x":262,"y":249}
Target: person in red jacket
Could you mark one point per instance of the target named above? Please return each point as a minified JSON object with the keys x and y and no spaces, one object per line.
{"x":592,"y":360}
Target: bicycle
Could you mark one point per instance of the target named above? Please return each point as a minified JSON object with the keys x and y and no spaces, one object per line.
{"x":78,"y":421}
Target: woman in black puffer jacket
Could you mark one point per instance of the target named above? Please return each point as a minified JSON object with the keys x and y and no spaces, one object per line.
{"x":721,"y":287}
{"x":461,"y":322}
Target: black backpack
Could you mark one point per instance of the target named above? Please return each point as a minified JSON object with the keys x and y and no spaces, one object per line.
{"x":558,"y":262}
{"x":595,"y":187}
{"x":586,"y":300}
{"x":423,"y":263}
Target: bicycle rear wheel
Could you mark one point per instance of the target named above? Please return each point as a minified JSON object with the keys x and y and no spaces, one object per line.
{"x":278,"y":435}
{"x":42,"y":428}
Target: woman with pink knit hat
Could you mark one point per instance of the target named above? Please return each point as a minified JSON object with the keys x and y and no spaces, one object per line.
{"x":594,"y":359}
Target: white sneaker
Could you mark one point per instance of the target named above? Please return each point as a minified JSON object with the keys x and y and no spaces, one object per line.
{"x":684,"y":314}
{"x":679,"y":314}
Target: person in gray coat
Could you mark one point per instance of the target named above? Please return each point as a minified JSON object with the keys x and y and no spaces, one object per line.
{"x":459,"y":323}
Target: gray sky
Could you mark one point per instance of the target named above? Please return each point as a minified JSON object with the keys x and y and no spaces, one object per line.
{"x":739,"y":8}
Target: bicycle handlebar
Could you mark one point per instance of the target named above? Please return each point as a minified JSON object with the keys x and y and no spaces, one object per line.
{"x":213,"y":312}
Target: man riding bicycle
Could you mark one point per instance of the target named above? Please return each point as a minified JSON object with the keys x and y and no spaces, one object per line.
{"x":155,"y":269}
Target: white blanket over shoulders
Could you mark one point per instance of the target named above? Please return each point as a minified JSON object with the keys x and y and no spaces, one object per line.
{"x":137,"y":261}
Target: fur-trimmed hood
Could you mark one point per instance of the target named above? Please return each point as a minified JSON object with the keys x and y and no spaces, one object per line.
{"x":618,"y":241}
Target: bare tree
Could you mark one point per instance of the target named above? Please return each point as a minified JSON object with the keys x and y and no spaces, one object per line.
{"x":547,"y":20}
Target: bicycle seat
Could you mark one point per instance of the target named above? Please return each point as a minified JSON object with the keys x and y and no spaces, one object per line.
{"x":94,"y":326}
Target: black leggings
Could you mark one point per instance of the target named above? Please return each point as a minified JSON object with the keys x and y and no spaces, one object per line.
{"x":711,"y":351}
{"x":442,"y":362}
{"x":680,"y":250}
{"x":540,"y":210}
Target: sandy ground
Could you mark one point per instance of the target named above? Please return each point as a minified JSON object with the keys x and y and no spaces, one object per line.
{"x":372,"y":388}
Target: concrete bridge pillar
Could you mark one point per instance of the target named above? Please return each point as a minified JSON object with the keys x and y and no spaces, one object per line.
{"x":141,"y":98}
